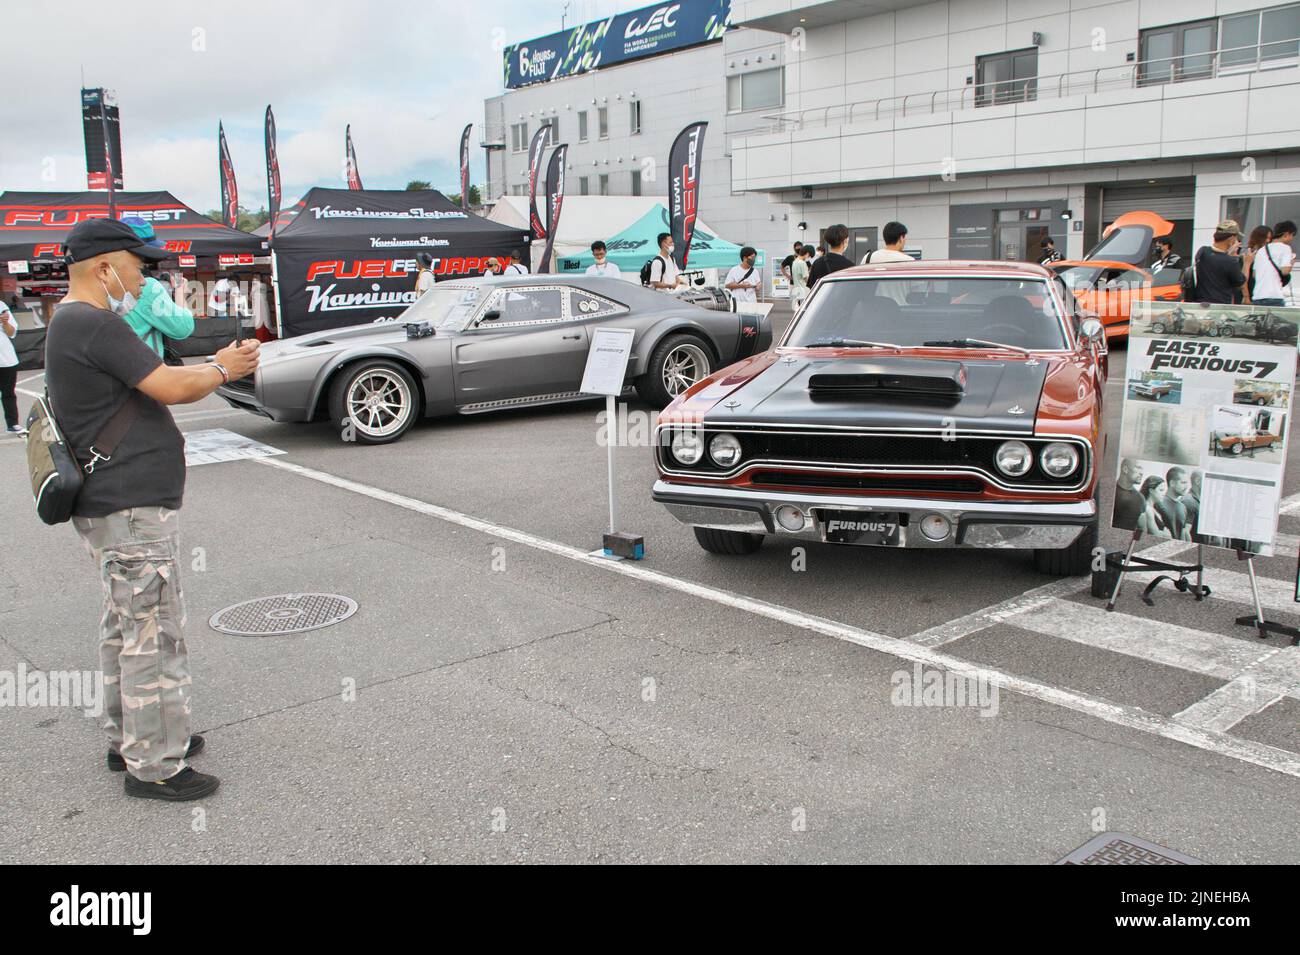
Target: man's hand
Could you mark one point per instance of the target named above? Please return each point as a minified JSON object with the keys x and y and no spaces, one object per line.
{"x":241,"y":358}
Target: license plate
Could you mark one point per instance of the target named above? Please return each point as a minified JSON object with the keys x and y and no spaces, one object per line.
{"x":870,"y":528}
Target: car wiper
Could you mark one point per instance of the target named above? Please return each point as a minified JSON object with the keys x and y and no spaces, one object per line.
{"x":974,"y":343}
{"x":849,"y":343}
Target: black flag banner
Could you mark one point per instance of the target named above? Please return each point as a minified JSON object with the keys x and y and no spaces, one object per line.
{"x":272,"y":171}
{"x":229,"y":191}
{"x":102,"y":128}
{"x":535,"y":150}
{"x":464,"y":168}
{"x":684,"y":188}
{"x":354,"y":176}
{"x":554,"y":200}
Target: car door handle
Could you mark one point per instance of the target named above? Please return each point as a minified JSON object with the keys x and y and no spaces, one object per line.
{"x":573,"y":337}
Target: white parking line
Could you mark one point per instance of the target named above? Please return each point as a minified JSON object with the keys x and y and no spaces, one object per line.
{"x":1229,"y":705}
{"x":23,"y":381}
{"x":1131,"y":717}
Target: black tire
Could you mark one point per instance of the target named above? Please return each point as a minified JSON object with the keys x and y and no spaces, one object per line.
{"x":1236,"y":448}
{"x":653,"y":388}
{"x":1075,"y":560}
{"x":1261,"y":401}
{"x":1157,"y":328}
{"x":389,"y":380}
{"x":730,"y":543}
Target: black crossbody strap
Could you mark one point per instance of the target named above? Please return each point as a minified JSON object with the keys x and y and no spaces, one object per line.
{"x":114,"y":430}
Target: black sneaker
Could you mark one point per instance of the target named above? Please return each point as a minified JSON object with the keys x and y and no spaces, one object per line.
{"x":184,"y":786}
{"x":118,"y":765}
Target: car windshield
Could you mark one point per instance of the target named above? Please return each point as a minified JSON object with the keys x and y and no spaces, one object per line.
{"x":448,"y":306}
{"x":929,"y":311}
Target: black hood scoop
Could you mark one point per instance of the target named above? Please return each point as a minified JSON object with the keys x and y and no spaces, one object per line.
{"x":916,"y":378}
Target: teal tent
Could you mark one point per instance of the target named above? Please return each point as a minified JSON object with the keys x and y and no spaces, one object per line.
{"x":630,"y":249}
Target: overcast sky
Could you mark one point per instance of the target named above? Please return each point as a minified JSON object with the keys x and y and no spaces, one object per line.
{"x":407,"y":76}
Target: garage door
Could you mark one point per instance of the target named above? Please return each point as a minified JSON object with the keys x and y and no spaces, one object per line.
{"x":1173,"y":202}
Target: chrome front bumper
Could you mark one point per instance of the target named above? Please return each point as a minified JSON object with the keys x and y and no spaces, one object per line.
{"x":983,"y":524}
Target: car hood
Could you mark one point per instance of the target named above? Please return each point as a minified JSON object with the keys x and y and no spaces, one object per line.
{"x":335,"y":339}
{"x":989,"y":394}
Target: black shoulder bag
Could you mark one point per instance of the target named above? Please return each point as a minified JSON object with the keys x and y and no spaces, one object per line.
{"x":51,"y":464}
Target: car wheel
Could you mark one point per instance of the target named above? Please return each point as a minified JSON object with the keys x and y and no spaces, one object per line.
{"x":1157,"y":328}
{"x":730,"y":543}
{"x":374,"y":401}
{"x":1260,"y":402}
{"x":677,"y":362}
{"x":1075,"y":560}
{"x":1236,"y":447}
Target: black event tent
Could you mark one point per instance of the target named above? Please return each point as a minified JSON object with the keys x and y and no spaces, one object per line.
{"x":347,"y":257}
{"x":33,"y":224}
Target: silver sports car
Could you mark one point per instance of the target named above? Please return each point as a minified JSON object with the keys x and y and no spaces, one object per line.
{"x":486,"y":344}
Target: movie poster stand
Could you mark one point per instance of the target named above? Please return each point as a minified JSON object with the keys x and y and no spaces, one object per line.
{"x":1262,"y":627}
{"x":1118,"y":565}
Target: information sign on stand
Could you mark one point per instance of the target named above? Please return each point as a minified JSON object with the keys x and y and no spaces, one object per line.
{"x":606,"y":371}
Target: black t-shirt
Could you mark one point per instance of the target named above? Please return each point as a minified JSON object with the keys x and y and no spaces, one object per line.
{"x":1218,"y":277}
{"x":785,"y":263}
{"x":828,"y":263}
{"x":1129,"y":505}
{"x":93,"y":361}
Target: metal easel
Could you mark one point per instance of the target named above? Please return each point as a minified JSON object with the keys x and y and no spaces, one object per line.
{"x":1122,"y":565}
{"x":1263,"y":627}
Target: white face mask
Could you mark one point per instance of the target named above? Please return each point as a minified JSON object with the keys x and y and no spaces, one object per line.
{"x":123,"y":305}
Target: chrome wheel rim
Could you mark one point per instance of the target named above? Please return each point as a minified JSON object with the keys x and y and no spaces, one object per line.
{"x":379,"y":402}
{"x":683,"y":367}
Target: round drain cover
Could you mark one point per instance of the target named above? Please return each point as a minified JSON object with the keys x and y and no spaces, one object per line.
{"x":283,"y":613}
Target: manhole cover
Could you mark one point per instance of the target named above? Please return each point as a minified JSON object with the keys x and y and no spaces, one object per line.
{"x":1118,"y":848}
{"x":283,"y":613}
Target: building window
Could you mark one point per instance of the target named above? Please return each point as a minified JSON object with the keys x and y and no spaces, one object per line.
{"x":1184,"y":51}
{"x":1252,"y":211}
{"x":761,"y":89}
{"x":1261,"y":36}
{"x":634,"y":111}
{"x":554,"y":123}
{"x":602,"y":121}
{"x":518,"y":137}
{"x":636,"y":182}
{"x":1006,"y":77}
{"x":604,"y":184}
{"x":582,"y":126}
{"x":584,"y":186}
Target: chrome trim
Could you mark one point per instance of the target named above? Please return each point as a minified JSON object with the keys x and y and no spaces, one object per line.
{"x":531,"y":399}
{"x":752,"y":464}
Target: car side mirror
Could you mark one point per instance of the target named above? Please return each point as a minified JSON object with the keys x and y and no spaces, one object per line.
{"x":491,"y":315}
{"x":1092,"y":329}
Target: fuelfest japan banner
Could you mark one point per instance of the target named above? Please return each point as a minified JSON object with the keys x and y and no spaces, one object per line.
{"x":1204,"y":432}
{"x":628,"y":36}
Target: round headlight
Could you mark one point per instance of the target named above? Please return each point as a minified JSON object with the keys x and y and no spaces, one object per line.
{"x":790,"y":518}
{"x":1014,"y":458}
{"x":688,"y":447}
{"x":725,"y":450}
{"x":1059,"y":459}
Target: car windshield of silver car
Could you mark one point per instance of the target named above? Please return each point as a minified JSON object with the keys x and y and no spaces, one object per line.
{"x":913,"y":313}
{"x":448,"y":307}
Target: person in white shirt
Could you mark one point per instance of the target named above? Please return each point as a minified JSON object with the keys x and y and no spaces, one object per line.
{"x":602,"y":265}
{"x":9,"y":368}
{"x":894,"y":235}
{"x":664,"y":273}
{"x":743,"y":280}
{"x":219,"y":298}
{"x":424,"y":279}
{"x":1271,"y":266}
{"x":799,"y":275}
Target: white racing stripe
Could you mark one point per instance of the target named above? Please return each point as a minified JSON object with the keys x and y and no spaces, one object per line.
{"x":1131,"y":717}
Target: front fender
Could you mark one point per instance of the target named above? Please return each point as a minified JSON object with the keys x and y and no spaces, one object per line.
{"x":350,"y":355}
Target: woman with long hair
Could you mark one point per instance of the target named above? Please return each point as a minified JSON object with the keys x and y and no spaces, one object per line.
{"x":1151,"y":521}
{"x":1260,"y":236}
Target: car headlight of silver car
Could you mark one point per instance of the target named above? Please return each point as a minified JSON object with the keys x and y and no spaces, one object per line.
{"x":1014,"y":458}
{"x":1059,"y":459}
{"x":687,"y":446}
{"x":725,"y":450}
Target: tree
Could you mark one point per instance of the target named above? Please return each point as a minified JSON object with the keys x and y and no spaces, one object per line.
{"x":417,"y":185}
{"x":246,"y":221}
{"x":475,"y":198}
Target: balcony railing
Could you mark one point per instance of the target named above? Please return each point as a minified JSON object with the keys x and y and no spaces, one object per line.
{"x":1191,"y":66}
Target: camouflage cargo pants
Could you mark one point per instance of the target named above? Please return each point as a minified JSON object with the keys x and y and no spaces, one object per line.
{"x":141,"y":637}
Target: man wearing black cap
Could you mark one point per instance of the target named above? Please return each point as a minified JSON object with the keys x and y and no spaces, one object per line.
{"x":127,"y":511}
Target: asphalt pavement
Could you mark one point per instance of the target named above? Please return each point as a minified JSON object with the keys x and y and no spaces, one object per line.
{"x":501,"y":696}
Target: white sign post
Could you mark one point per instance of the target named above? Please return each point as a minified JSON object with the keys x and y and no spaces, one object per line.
{"x":606,"y":370}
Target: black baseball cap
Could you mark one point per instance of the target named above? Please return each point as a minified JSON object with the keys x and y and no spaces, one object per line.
{"x":92,"y":237}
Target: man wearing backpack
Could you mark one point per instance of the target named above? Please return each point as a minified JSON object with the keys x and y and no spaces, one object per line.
{"x":664,"y":274}
{"x":103,"y":380}
{"x":1219,"y":278}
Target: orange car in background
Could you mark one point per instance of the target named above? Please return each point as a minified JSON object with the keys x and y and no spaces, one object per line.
{"x":1111,"y":277}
